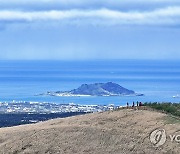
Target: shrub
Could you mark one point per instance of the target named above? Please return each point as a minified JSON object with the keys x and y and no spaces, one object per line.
{"x":173,"y":108}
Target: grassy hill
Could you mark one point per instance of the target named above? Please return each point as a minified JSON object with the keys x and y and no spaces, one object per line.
{"x":113,"y":132}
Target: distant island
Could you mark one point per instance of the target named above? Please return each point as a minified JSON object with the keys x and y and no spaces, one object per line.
{"x":96,"y":89}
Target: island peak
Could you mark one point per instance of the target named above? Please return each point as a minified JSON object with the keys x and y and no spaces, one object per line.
{"x":97,"y":89}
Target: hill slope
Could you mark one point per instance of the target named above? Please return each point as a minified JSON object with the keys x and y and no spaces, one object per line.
{"x":123,"y":131}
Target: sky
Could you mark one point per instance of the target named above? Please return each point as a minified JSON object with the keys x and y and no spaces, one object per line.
{"x":89,"y":29}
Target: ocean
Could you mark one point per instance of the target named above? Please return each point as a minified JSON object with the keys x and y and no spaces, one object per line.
{"x":158,"y":80}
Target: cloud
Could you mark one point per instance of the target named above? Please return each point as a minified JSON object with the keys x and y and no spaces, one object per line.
{"x":164,"y":16}
{"x":80,"y":4}
{"x":87,"y":1}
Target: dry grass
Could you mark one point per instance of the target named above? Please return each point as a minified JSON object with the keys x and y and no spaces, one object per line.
{"x":124,"y":131}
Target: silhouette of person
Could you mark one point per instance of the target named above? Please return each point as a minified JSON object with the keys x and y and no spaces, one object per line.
{"x":140,"y":104}
{"x":137,"y":104}
{"x":133,"y":104}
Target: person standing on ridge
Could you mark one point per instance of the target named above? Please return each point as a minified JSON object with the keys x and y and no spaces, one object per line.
{"x":133,"y":105}
{"x":137,"y":104}
{"x":140,"y":104}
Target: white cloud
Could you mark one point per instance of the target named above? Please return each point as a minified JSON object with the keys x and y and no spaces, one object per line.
{"x":164,"y":16}
{"x":85,"y":3}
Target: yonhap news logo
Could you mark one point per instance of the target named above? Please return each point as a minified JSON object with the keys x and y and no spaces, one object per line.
{"x":158,"y":137}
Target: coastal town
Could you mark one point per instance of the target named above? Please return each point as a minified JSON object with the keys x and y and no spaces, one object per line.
{"x":48,"y":107}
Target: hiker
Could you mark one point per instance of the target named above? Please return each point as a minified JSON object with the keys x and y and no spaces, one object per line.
{"x":127,"y":105}
{"x":140,"y":104}
{"x":133,"y":104}
{"x":137,"y":104}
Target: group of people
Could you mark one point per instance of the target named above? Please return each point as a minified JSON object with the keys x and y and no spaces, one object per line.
{"x":133,"y":104}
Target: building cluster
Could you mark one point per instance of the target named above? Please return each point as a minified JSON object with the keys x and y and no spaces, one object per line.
{"x":44,"y":107}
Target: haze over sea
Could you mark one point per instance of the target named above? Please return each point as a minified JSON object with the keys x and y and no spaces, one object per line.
{"x":159,"y":80}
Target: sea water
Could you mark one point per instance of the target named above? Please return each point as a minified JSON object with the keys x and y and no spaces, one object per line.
{"x":158,"y":80}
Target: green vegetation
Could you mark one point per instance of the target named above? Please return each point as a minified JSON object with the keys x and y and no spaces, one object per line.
{"x":172,"y":108}
{"x":172,"y":120}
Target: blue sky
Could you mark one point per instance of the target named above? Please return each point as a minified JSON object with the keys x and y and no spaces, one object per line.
{"x":89,"y":29}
